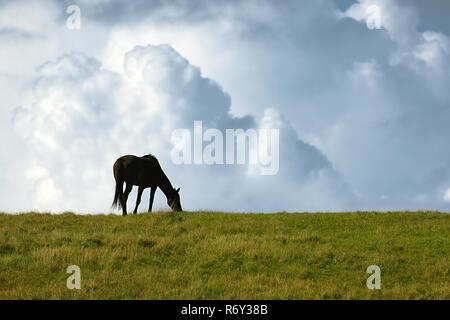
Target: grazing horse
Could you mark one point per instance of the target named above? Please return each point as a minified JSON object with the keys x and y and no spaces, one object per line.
{"x":144,"y":172}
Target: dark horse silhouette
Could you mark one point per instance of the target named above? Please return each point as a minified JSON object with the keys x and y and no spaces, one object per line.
{"x":144,"y":172}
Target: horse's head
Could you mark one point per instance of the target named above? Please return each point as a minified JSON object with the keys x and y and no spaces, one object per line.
{"x":174,"y":200}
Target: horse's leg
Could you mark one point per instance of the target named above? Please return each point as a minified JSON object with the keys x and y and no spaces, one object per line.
{"x":138,"y":199}
{"x":152,"y":196}
{"x":125,"y":198}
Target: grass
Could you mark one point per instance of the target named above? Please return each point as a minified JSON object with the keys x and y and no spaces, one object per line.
{"x":206,"y":255}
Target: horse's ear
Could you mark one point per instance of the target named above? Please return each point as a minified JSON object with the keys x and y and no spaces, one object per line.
{"x":177,"y":190}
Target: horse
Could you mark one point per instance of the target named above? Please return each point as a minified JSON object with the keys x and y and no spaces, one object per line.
{"x":144,"y":172}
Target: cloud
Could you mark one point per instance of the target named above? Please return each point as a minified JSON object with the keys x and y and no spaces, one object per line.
{"x":399,"y":20}
{"x":362,"y":112}
{"x":84,"y":116}
{"x":446,"y":196}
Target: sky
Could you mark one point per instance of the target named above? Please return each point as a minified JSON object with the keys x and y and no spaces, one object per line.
{"x":362,"y":112}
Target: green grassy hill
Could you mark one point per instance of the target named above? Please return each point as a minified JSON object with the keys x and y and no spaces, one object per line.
{"x":225,"y":256}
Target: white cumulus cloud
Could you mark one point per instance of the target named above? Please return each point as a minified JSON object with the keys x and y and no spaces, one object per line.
{"x":85,"y":116}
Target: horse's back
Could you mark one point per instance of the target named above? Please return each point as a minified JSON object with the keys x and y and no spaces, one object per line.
{"x":129,"y":158}
{"x":137,"y":170}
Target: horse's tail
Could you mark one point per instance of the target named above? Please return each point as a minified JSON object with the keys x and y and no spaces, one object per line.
{"x":118,"y":176}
